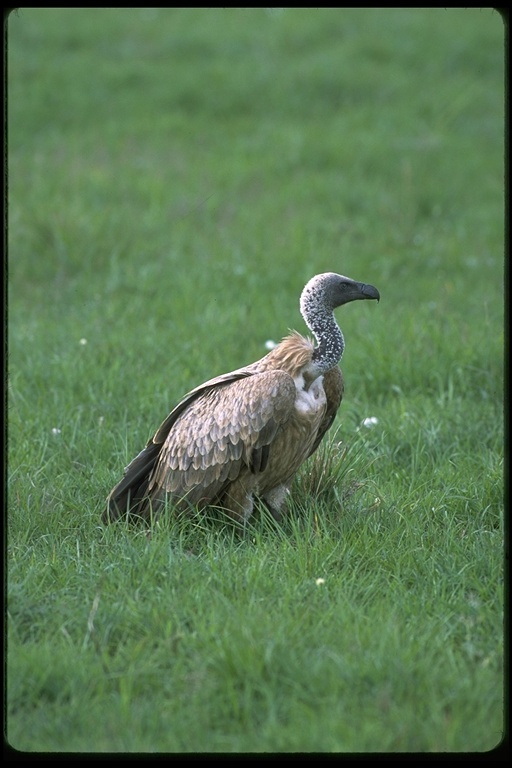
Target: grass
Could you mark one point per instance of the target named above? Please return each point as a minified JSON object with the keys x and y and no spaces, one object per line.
{"x":175,"y":177}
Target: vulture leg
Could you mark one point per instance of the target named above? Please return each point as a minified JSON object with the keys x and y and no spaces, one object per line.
{"x":238,"y":500}
{"x":275,"y":500}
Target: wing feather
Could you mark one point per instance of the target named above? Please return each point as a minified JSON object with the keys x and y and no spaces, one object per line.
{"x":131,"y":491}
{"x":221,"y":429}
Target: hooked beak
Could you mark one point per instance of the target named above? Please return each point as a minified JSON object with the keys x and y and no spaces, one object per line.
{"x":369,"y":292}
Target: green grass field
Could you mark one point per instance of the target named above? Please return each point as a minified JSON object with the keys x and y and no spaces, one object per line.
{"x":175,"y":177}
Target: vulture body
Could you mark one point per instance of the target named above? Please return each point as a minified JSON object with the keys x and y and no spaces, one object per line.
{"x":243,"y":435}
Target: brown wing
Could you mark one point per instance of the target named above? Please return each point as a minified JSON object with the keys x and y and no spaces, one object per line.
{"x":217,"y":427}
{"x":225,"y":428}
{"x":334,"y":387}
{"x":133,"y":487}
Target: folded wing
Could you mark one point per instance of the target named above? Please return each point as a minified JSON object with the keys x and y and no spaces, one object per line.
{"x":226,"y":424}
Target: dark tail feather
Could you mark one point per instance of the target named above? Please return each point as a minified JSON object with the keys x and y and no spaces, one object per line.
{"x":129,"y":496}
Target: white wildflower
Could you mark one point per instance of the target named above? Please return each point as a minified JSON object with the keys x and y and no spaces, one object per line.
{"x":270,"y":344}
{"x":319,"y":581}
{"x":55,"y":431}
{"x":370,"y":421}
{"x":83,"y":342}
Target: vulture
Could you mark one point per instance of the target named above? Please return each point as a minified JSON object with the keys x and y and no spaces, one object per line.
{"x":243,"y":435}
